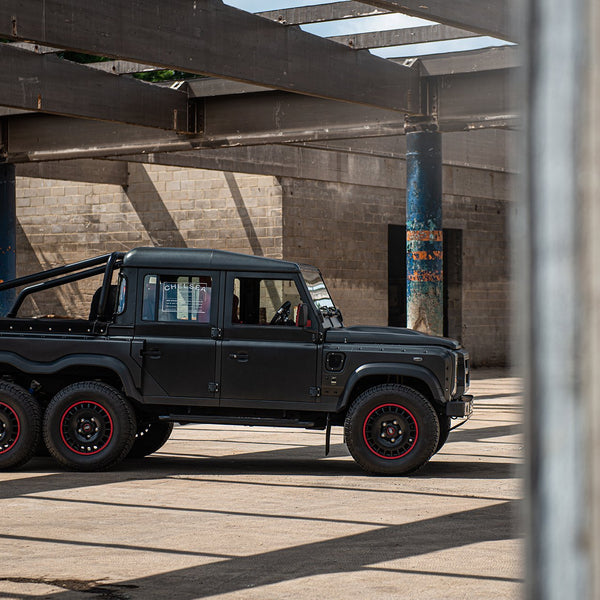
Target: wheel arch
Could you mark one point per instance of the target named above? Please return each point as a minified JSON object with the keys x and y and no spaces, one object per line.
{"x":416,"y":377}
{"x":72,"y":368}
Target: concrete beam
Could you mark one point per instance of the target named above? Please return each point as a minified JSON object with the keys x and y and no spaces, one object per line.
{"x":289,"y":161}
{"x":486,"y":17}
{"x":322,"y":12}
{"x":46,"y":83}
{"x":212,"y":38}
{"x":272,"y":117}
{"x":473,"y":61}
{"x":464,"y":102}
{"x":487,"y":149}
{"x":402,"y":37}
{"x":87,"y":170}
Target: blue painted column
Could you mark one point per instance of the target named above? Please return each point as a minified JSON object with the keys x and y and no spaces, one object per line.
{"x":424,"y":237}
{"x":8,"y":233}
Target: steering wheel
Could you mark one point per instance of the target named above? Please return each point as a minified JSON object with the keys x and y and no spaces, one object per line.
{"x":282,"y":316}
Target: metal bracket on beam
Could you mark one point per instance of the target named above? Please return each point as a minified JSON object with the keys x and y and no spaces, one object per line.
{"x":429,"y":100}
{"x":196,"y":116}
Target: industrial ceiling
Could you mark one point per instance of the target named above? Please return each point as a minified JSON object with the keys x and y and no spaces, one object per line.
{"x":272,"y":98}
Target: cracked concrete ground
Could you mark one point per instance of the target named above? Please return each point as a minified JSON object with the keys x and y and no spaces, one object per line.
{"x":260,"y":514}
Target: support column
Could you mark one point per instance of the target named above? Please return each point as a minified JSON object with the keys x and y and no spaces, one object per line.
{"x":424,"y":241}
{"x":8,"y":235}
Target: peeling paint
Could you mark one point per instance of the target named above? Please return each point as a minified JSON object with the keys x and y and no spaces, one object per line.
{"x":424,"y":236}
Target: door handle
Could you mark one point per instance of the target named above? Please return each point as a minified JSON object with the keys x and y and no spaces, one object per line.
{"x":154,"y":353}
{"x":239,"y":356}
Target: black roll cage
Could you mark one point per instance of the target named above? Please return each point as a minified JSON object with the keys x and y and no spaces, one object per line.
{"x":83,"y":269}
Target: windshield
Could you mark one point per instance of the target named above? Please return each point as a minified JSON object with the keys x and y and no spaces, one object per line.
{"x":321,"y":297}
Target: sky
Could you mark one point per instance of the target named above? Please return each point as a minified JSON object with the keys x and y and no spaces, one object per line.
{"x":375,"y":23}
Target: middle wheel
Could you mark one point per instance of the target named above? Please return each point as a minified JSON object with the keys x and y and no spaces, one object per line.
{"x":151,"y":436}
{"x":89,"y":426}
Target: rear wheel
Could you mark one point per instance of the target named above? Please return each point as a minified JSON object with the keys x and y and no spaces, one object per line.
{"x":89,"y":426}
{"x":20,"y":424}
{"x":391,"y":429}
{"x":150,"y":437}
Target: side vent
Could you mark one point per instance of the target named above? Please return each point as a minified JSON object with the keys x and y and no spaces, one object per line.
{"x":334,"y":361}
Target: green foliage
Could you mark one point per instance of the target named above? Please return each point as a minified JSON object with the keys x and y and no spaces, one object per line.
{"x":165,"y":75}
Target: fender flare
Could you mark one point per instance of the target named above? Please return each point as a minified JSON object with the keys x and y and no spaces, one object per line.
{"x":74,"y":360}
{"x":414,"y":371}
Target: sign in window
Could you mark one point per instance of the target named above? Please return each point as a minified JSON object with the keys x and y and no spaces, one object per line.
{"x":177,"y":298}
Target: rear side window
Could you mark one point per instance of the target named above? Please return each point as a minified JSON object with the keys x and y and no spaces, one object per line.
{"x":176,"y":298}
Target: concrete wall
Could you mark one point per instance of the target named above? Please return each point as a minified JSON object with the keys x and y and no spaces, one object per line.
{"x":341,"y":228}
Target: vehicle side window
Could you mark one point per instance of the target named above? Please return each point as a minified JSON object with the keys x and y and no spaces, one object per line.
{"x":265,"y":301}
{"x":176,"y":298}
{"x":122,"y":297}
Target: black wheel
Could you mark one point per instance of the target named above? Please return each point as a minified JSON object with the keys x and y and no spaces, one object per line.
{"x":89,"y":426}
{"x":20,"y":425}
{"x":391,"y":429}
{"x":150,"y":437}
{"x":445,"y":424}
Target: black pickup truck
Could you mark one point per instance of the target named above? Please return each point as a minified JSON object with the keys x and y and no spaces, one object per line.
{"x":207,"y":336}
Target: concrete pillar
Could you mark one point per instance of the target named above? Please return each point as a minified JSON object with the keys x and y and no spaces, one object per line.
{"x":557,"y":318}
{"x":8,"y":237}
{"x":424,"y":241}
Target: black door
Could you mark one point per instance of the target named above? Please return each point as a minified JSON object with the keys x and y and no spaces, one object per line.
{"x":177,"y":322}
{"x":265,"y":356}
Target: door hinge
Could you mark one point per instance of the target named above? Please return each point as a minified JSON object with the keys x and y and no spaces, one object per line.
{"x":213,"y":386}
{"x":314,"y":392}
{"x":216,"y":333}
{"x":318,"y":337}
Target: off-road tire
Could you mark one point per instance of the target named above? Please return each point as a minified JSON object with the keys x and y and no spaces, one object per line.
{"x":20,"y":425}
{"x":150,"y":437}
{"x":89,"y":426}
{"x":445,"y":425}
{"x":391,"y":429}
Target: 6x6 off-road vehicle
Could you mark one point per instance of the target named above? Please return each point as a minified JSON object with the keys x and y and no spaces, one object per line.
{"x":206,"y":336}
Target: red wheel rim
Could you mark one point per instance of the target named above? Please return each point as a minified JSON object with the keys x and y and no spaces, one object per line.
{"x":10,"y":428}
{"x":86,"y":428}
{"x":390,"y":431}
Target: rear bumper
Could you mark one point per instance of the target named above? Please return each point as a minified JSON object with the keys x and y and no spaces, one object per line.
{"x":463,"y":407}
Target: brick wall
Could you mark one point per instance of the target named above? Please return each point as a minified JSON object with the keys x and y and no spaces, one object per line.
{"x":62,"y":222}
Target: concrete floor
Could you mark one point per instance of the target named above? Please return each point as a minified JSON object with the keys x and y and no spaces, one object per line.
{"x":259,"y":514}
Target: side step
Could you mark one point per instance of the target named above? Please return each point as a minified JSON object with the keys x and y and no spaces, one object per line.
{"x":251,"y":421}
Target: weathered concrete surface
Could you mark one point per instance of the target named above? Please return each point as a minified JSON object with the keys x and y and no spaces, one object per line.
{"x":259,"y":514}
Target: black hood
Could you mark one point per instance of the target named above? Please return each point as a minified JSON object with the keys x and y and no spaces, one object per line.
{"x":387,"y":335}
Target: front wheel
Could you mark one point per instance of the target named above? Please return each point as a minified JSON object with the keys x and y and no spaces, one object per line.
{"x":89,"y":426}
{"x":391,"y":429}
{"x":20,"y":423}
{"x":445,"y":426}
